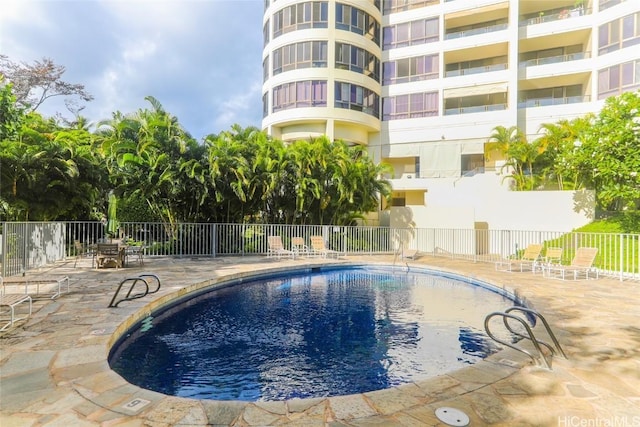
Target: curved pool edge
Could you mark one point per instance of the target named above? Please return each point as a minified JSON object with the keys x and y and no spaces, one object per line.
{"x":428,"y":391}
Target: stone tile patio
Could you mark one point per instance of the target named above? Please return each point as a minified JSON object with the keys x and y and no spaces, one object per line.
{"x":54,"y":371}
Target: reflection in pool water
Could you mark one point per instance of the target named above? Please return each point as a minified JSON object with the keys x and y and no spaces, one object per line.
{"x":329,"y":333}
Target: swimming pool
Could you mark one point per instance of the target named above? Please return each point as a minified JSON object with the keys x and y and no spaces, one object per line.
{"x":315,"y":334}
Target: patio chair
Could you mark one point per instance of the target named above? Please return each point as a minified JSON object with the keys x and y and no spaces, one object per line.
{"x":110,"y":253}
{"x":81,"y":251}
{"x":528,"y":261}
{"x":318,"y":247}
{"x":582,"y":264}
{"x":276,"y":248}
{"x":136,"y":251}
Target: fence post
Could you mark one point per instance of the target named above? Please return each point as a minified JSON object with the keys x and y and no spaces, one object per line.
{"x":621,"y":256}
{"x":3,"y":248}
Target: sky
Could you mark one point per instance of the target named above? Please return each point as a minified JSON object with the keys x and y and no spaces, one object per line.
{"x":201,"y":59}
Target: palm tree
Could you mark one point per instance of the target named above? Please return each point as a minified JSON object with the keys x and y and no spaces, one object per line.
{"x":501,"y":138}
{"x":557,"y":150}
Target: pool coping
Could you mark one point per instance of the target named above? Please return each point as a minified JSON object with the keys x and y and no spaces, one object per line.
{"x":159,"y":305}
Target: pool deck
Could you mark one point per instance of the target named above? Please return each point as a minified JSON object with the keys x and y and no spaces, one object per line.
{"x":54,"y":371}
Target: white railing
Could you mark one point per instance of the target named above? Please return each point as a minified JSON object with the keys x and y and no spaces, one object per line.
{"x":27,"y":246}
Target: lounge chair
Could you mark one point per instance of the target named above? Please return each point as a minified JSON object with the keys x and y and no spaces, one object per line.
{"x":36,"y":285}
{"x":318,"y":247}
{"x":12,"y":302}
{"x":582,"y":264}
{"x":409,"y":253}
{"x":276,"y":248}
{"x":528,"y":261}
{"x":552,"y":256}
{"x":299,"y":246}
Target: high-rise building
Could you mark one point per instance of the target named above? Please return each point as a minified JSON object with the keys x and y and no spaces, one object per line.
{"x":423,"y":83}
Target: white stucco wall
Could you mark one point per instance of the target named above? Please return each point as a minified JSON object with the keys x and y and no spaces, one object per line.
{"x":486,"y":198}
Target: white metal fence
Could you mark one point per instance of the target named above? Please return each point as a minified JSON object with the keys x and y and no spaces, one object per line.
{"x":29,"y":245}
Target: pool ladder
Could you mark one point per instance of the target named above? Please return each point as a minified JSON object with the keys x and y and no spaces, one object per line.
{"x":142,"y":279}
{"x":543,"y":359}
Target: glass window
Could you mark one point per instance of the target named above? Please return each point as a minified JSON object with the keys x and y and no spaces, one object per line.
{"x":418,"y":32}
{"x":403,"y":70}
{"x":623,"y":32}
{"x":265,"y":105}
{"x":603,"y":36}
{"x":320,"y":54}
{"x":614,"y":31}
{"x":265,"y":33}
{"x":303,"y":94}
{"x":389,"y":37}
{"x":411,"y":69}
{"x":628,"y":27}
{"x":300,"y":94}
{"x":402,"y":35}
{"x":614,"y":77}
{"x":319,"y":93}
{"x":402,"y":106}
{"x":627,"y":73}
{"x":300,"y":16}
{"x":417,"y":105}
{"x":355,"y":97}
{"x":352,"y":19}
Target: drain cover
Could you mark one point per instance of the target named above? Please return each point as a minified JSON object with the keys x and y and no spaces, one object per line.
{"x":452,"y":416}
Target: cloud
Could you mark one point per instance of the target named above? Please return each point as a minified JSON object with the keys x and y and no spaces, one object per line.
{"x":200,"y":58}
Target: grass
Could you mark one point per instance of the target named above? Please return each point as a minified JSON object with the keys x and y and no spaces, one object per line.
{"x":617,"y":222}
{"x":620,"y":251}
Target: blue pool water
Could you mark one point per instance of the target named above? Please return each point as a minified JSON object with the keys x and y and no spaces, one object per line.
{"x":319,"y":334}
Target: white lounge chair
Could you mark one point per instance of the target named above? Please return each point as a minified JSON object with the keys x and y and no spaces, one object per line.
{"x":582,"y":264}
{"x":276,"y":248}
{"x":36,"y":285}
{"x":409,"y":253}
{"x":299,"y":246}
{"x":528,"y":261}
{"x":318,"y":247}
{"x":12,"y":302}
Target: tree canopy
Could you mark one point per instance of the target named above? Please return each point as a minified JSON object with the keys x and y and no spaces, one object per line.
{"x":160,"y":173}
{"x":598,"y":151}
{"x":51,"y":170}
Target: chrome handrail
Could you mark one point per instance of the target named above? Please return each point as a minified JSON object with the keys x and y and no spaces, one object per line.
{"x":543,"y":358}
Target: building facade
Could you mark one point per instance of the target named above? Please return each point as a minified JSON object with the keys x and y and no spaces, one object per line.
{"x":423,"y":83}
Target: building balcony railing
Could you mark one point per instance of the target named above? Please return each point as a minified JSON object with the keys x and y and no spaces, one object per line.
{"x":555,"y":59}
{"x":475,"y":31}
{"x":475,"y":70}
{"x":543,"y":17}
{"x":544,"y":102}
{"x":474,"y":109}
